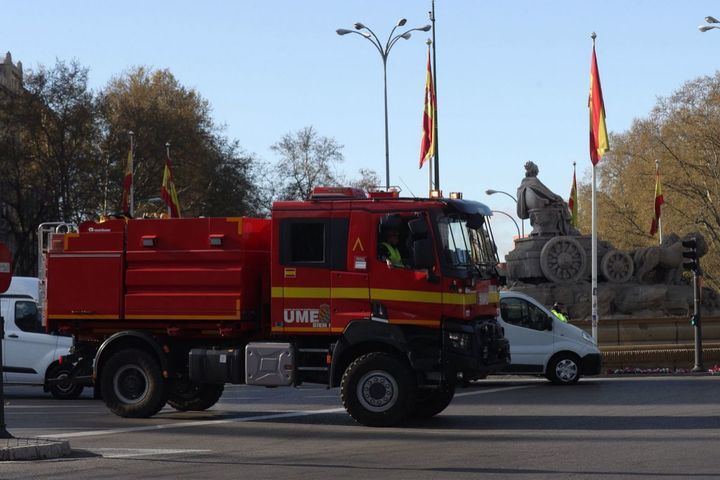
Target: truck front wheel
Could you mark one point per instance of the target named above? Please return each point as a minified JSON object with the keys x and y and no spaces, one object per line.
{"x":378,"y":389}
{"x":132,"y":384}
{"x":186,"y":397}
{"x":430,"y":402}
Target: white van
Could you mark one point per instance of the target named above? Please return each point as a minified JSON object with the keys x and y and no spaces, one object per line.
{"x":542,"y":344}
{"x":30,"y":356}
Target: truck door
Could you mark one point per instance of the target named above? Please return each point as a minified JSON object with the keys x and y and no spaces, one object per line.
{"x":349,"y":278}
{"x":402,"y":292}
{"x":27,"y":351}
{"x":305,"y":260}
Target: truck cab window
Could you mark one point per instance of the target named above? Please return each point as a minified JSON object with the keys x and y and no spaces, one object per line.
{"x":307,"y":242}
{"x":393,"y":238}
{"x":27,"y":318}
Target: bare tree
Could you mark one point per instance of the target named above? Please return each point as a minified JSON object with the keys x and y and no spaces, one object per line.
{"x":306,"y":160}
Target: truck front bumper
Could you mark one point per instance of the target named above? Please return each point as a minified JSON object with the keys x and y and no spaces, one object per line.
{"x":476,"y":347}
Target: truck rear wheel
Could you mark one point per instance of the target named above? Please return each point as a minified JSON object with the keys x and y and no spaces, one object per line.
{"x":430,"y":402}
{"x":132,"y":384}
{"x":186,"y":396}
{"x":378,"y":390}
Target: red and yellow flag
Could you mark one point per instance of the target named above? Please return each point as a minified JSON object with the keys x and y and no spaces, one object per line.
{"x":573,"y":201}
{"x":127,"y":184}
{"x":659,"y":200}
{"x":427,"y":144}
{"x":168,"y":192}
{"x":599,"y":144}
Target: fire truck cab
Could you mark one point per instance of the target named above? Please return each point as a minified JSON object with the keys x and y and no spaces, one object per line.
{"x":391,"y":299}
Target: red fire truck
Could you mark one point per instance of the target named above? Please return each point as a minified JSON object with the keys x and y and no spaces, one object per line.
{"x":170,"y":310}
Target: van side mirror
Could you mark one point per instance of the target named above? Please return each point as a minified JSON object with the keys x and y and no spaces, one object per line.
{"x":548,"y":323}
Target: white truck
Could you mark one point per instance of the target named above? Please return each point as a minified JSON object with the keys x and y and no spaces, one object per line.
{"x":31,"y":356}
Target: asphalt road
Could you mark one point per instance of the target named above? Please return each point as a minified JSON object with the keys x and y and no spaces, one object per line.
{"x":607,"y":428}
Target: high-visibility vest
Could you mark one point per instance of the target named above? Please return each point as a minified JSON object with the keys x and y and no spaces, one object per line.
{"x":393,"y":255}
{"x":560,"y":316}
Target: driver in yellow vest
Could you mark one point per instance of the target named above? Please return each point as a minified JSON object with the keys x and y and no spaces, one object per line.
{"x":388,"y":249}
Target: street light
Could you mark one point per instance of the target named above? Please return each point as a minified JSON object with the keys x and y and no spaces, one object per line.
{"x":522,"y":221}
{"x":384,"y":50}
{"x":710,"y":20}
{"x":510,"y":217}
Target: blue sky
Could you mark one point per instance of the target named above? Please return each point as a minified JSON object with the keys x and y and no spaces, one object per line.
{"x":512,"y":79}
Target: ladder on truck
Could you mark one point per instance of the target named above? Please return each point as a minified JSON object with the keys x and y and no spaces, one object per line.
{"x":45,"y":232}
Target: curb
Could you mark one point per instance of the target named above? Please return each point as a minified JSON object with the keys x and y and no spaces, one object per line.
{"x":17,"y":449}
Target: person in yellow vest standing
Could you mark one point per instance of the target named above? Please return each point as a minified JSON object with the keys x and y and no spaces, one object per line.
{"x":559,"y":312}
{"x":388,"y":249}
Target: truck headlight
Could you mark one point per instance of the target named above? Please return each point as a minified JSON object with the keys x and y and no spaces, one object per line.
{"x":459,"y":340}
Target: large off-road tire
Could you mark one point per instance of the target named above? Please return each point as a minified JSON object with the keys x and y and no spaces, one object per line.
{"x":193,"y":397}
{"x":563,"y":369}
{"x":63,"y":390}
{"x":378,"y":389}
{"x":430,"y":402}
{"x":132,"y":384}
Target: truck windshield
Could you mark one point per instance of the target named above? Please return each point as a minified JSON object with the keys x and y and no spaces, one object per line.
{"x":464,"y":246}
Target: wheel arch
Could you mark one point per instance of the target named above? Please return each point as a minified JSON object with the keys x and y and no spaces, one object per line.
{"x":130,"y":339}
{"x":364,"y":336}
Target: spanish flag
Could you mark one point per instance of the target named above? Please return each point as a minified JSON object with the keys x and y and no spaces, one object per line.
{"x":659,"y":200}
{"x":168,"y":192}
{"x":427,"y":145}
{"x":127,"y":184}
{"x":599,"y":144}
{"x":573,"y":201}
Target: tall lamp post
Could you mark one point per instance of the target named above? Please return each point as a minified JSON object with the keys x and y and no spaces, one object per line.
{"x":522,"y":221}
{"x":510,"y":217}
{"x":384,"y":50}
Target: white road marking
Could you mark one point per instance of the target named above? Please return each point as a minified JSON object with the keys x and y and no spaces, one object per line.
{"x":201,"y":423}
{"x":256,"y":418}
{"x":139,"y":452}
{"x":492,"y":390}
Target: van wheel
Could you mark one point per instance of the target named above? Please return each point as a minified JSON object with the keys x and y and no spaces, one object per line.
{"x":186,"y":396}
{"x":431,"y":401}
{"x":64,"y":390}
{"x":563,"y":369}
{"x":132,"y":384}
{"x":378,"y":390}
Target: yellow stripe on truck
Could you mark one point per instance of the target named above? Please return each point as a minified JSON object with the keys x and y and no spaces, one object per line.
{"x":386,"y":294}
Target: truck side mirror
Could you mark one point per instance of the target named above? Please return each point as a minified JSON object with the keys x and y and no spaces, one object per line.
{"x":418,"y":228}
{"x":423,"y":254}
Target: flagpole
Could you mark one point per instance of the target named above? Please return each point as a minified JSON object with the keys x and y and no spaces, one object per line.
{"x":435,"y":119}
{"x":594,"y":310}
{"x":657,"y":179}
{"x":132,"y":174}
{"x":167,"y":153}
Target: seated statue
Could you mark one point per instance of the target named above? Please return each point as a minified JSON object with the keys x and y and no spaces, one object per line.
{"x":548,"y":212}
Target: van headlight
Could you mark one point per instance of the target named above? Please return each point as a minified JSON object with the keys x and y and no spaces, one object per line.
{"x":588,"y":338}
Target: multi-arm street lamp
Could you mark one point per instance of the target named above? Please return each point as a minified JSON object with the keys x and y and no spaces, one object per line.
{"x":522,"y":221}
{"x":709,"y":26}
{"x":384,"y":50}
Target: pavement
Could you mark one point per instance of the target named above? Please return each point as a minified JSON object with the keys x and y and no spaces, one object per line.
{"x":518,"y":428}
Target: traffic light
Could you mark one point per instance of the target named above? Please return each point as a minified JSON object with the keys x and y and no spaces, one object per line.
{"x":690,"y":253}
